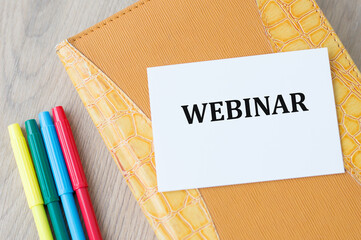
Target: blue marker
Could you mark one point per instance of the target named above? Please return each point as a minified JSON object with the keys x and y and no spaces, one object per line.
{"x":61,"y":176}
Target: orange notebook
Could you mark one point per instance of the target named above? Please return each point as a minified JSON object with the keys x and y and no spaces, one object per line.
{"x":107,"y":65}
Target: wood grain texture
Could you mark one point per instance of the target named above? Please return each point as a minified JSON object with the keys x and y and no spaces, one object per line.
{"x":32,"y":79}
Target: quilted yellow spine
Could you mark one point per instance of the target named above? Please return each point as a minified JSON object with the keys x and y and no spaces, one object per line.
{"x":127,"y":133}
{"x":294,"y":25}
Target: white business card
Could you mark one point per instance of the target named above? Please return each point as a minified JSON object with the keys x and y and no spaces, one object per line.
{"x":244,"y":120}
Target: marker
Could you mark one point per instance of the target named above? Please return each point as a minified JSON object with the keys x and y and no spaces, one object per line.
{"x":76,"y":172}
{"x":29,"y":180}
{"x":46,"y":181}
{"x":61,"y":176}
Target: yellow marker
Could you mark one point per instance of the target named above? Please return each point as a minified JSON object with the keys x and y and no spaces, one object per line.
{"x":29,"y":180}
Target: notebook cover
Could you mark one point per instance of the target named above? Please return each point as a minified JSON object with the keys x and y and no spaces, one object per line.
{"x":107,"y":65}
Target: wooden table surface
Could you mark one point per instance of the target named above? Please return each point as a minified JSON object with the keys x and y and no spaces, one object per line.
{"x":32,"y":80}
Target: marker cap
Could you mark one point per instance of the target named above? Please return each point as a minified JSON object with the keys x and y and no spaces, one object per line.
{"x":56,"y":159}
{"x":67,"y":143}
{"x":41,"y":162}
{"x":25,"y":166}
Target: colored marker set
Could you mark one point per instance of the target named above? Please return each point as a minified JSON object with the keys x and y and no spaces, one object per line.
{"x":58,"y":174}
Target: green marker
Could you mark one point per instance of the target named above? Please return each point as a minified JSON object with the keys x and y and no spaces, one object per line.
{"x":45,"y":177}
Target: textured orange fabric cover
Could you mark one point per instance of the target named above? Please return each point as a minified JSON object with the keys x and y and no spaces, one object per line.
{"x":163,"y":32}
{"x":159,"y":32}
